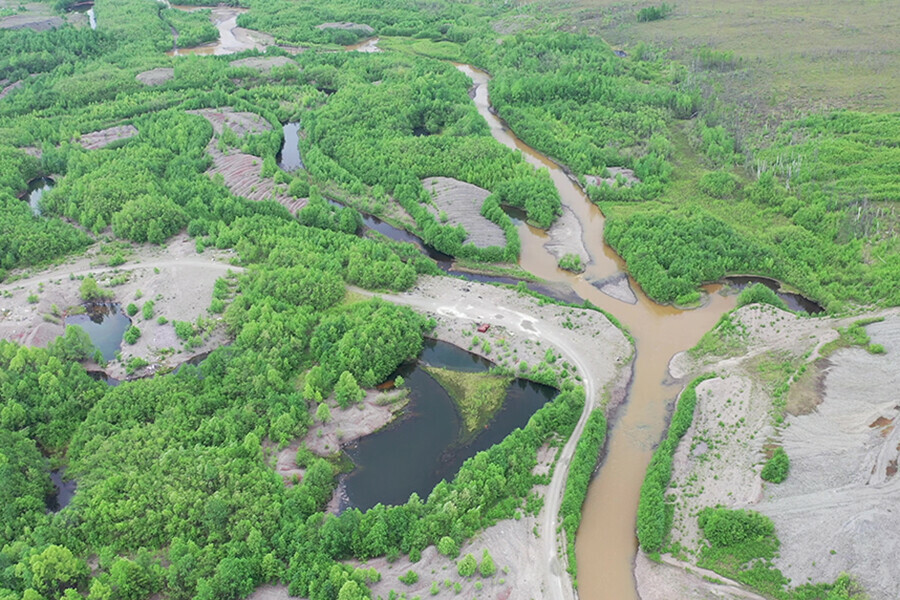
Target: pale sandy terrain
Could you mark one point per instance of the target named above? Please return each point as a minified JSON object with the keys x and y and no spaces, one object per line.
{"x":835,"y":512}
{"x":461,"y":202}
{"x":346,"y":25}
{"x":567,"y":237}
{"x":179,"y":280}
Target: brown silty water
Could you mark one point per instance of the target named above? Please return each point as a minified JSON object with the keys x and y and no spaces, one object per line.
{"x":606,"y":542}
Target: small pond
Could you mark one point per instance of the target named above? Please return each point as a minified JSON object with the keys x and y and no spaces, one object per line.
{"x":288,"y":157}
{"x":36,"y":189}
{"x":423,"y":447}
{"x":105,"y":323}
{"x":795,"y":302}
{"x":64,"y":490}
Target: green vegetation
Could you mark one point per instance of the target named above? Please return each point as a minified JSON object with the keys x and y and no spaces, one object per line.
{"x":193,"y":28}
{"x":409,"y":578}
{"x":132,"y":334}
{"x":487,"y":568}
{"x":477,"y":395}
{"x":467,"y":566}
{"x":854,"y":335}
{"x":759,"y":293}
{"x":571,"y":262}
{"x":741,"y":546}
{"x":654,"y":13}
{"x":580,"y":471}
{"x":654,"y":517}
{"x":776,"y":468}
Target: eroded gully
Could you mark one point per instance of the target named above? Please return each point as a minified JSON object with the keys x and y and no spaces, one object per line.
{"x":606,"y":542}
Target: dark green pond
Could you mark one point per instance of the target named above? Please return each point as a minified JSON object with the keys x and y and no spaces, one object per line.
{"x":423,"y":447}
{"x":105,"y":323}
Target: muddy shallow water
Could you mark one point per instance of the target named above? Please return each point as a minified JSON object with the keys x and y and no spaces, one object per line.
{"x":606,"y":542}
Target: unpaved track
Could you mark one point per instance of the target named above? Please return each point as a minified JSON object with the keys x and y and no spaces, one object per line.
{"x":483,"y":303}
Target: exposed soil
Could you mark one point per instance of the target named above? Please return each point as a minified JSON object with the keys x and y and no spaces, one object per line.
{"x":181,"y":290}
{"x":105,"y":137}
{"x":243,"y":172}
{"x":348,"y":26}
{"x":37,"y":16}
{"x":461,"y":202}
{"x":834,"y":513}
{"x":628,"y":174}
{"x":263,"y":64}
{"x":156,"y":76}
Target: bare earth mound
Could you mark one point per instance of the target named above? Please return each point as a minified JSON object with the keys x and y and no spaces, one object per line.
{"x":243,"y":172}
{"x":835,"y":512}
{"x":461,"y":202}
{"x":348,"y":26}
{"x":262,"y":64}
{"x":156,"y":76}
{"x":614,"y":172}
{"x":105,"y":137}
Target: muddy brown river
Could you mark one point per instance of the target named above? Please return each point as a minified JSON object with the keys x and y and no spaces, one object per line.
{"x":606,"y":542}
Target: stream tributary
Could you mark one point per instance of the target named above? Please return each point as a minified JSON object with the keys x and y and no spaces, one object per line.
{"x":606,"y":542}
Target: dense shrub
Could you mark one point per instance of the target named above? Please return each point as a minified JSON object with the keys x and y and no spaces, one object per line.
{"x":776,"y":468}
{"x":652,"y":516}
{"x":760,"y":293}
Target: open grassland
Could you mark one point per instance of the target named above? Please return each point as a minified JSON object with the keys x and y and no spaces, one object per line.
{"x":794,"y":56}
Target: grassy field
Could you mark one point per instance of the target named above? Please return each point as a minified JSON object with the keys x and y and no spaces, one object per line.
{"x":795,"y":56}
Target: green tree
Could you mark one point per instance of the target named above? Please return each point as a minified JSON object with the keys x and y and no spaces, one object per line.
{"x":323,"y":413}
{"x":487,"y":568}
{"x":776,"y":468}
{"x":448,"y":547}
{"x":347,"y":391}
{"x":467,"y":566}
{"x":55,"y":569}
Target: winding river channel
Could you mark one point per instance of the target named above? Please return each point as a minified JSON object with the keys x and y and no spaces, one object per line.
{"x":606,"y":543}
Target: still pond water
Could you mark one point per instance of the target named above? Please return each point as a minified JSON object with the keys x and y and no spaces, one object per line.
{"x":423,"y":447}
{"x":105,"y":323}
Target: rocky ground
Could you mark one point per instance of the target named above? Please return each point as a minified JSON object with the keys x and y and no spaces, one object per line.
{"x":835,"y":512}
